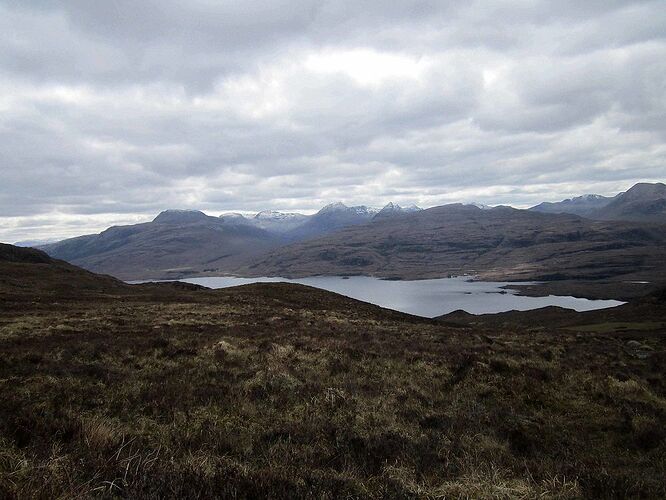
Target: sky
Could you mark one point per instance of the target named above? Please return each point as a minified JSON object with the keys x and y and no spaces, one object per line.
{"x":113,"y":111}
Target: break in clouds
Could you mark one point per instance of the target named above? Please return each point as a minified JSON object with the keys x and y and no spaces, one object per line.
{"x":113,"y":111}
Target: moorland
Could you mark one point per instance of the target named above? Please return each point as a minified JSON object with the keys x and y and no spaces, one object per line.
{"x":285,"y":391}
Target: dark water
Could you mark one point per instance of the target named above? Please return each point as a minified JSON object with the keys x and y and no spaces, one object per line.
{"x":427,"y":298}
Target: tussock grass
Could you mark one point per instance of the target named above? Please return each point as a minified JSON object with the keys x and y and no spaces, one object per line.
{"x":284,"y":392}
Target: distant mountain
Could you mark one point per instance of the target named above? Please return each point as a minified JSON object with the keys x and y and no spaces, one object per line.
{"x":180,"y":217}
{"x":642,"y":203}
{"x":392,"y":209}
{"x":482,"y":206}
{"x":329,"y":219}
{"x":270,"y":220}
{"x":35,"y":243}
{"x":332,"y":218}
{"x":279,"y":222}
{"x":393,"y":241}
{"x":172,"y":245}
{"x":456,"y":239}
{"x":236,"y":218}
{"x":182,"y":242}
{"x":580,"y":205}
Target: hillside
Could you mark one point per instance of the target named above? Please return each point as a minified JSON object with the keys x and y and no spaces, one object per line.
{"x":285,"y":391}
{"x":642,"y":203}
{"x":31,"y":272}
{"x":185,"y":242}
{"x":583,"y":206}
{"x":646,"y":314}
{"x":454,"y":239}
{"x":173,"y":244}
{"x":332,"y":218}
{"x":495,"y":243}
{"x":269,"y":220}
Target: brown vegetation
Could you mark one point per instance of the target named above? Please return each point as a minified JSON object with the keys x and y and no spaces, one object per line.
{"x":285,"y":391}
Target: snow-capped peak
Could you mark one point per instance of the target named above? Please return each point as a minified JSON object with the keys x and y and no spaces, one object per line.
{"x":275,"y":215}
{"x":363,"y":210}
{"x":232,"y":215}
{"x":482,"y":206}
{"x":390,"y":206}
{"x":334,"y":207}
{"x":391,"y":209}
{"x":587,"y":197}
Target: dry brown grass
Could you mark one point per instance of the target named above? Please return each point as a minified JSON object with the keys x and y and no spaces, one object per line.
{"x":287,"y":392}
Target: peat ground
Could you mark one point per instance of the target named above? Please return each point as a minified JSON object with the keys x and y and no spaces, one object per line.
{"x":285,"y":391}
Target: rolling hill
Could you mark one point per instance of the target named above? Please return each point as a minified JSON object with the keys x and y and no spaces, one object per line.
{"x":454,"y":239}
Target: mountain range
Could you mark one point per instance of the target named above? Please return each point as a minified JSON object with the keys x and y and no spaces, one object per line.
{"x":295,"y":226}
{"x":169,"y":245}
{"x":618,"y":236}
{"x":270,"y":220}
{"x":181,"y":242}
{"x":457,"y":239}
{"x":642,"y":203}
{"x":585,"y":205}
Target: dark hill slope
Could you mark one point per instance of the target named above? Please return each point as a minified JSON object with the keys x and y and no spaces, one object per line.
{"x":173,"y":244}
{"x":642,"y":203}
{"x":454,"y":239}
{"x":14,"y":254}
{"x":580,"y":205}
{"x":33,"y":273}
{"x":643,"y":316}
{"x":330,"y":219}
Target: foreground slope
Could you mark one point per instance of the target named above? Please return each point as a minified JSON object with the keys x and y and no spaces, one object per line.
{"x":283,"y":391}
{"x":502,"y":242}
{"x":32,"y":273}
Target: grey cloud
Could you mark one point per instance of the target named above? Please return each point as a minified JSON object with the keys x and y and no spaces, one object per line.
{"x":112,"y":111}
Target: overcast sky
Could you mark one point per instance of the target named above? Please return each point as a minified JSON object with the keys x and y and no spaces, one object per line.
{"x":111,"y":111}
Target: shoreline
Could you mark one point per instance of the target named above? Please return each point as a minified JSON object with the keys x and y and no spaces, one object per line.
{"x":621,"y":288}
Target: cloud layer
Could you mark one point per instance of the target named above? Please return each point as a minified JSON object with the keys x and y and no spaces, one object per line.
{"x":113,"y":111}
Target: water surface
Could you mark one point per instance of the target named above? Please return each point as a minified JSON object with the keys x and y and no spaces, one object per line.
{"x":427,"y":298}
